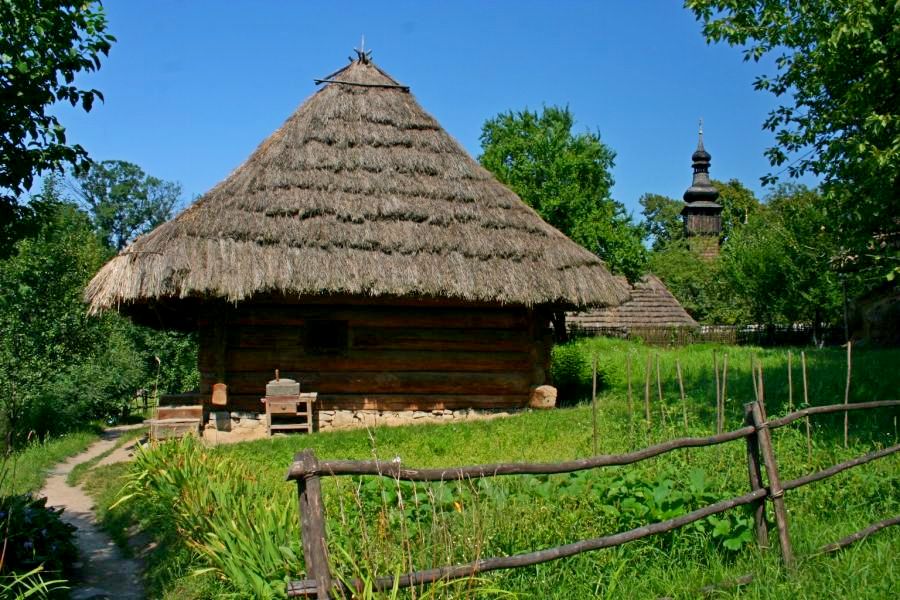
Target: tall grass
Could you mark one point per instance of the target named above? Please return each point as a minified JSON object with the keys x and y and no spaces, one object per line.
{"x":230,"y":516}
{"x":25,"y":471}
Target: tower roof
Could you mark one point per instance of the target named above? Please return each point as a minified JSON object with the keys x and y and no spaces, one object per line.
{"x":702,"y":192}
{"x":360,"y":192}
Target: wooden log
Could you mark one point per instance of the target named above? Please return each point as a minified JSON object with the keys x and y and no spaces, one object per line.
{"x":681,"y":391}
{"x":756,"y":482}
{"x":383,"y":316}
{"x":859,"y":535}
{"x":847,"y":394}
{"x":776,"y":493}
{"x":391,"y":382}
{"x":397,"y":471}
{"x":312,"y":524}
{"x":838,"y":468}
{"x":248,"y":360}
{"x":471,"y":569}
{"x":830,"y":408}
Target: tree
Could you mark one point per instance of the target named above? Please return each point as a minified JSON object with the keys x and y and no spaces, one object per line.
{"x":738,"y":204}
{"x":44,"y":44}
{"x":566,"y":178}
{"x":662,"y":219}
{"x":59,"y":367}
{"x":123,"y":201}
{"x":778,"y":263}
{"x":836,"y":70}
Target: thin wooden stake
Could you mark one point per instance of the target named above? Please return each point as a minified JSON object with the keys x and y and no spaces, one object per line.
{"x":681,"y":389}
{"x":762,"y":390}
{"x":630,"y":395}
{"x":724,"y":393}
{"x":753,"y":376}
{"x":753,"y":468}
{"x":847,"y":394}
{"x":718,"y":393}
{"x":662,"y":404}
{"x":594,"y":400}
{"x":776,"y":493}
{"x":647,"y":391}
{"x":806,"y":405}
{"x":790,"y":384}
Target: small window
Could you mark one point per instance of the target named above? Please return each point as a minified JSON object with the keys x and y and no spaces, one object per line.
{"x":327,"y":337}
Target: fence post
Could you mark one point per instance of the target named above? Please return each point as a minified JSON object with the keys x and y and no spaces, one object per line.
{"x":312,"y":523}
{"x":759,"y":507}
{"x":776,"y":493}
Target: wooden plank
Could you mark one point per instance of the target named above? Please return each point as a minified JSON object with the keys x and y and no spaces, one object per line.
{"x":312,"y":527}
{"x":388,"y":338}
{"x":394,"y":402}
{"x":180,"y":412}
{"x":266,"y":360}
{"x":384,"y":316}
{"x":433,"y":338}
{"x":378,"y":382}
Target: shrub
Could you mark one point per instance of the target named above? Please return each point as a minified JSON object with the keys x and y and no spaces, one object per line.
{"x":570,"y":372}
{"x":36,"y":536}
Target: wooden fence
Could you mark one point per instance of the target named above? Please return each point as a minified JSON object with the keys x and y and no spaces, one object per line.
{"x":307,"y":471}
{"x":757,"y":335}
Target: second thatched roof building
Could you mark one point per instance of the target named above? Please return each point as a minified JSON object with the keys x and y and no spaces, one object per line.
{"x":363,"y":252}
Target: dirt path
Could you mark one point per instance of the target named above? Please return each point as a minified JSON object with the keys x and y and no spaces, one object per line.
{"x":105,"y":573}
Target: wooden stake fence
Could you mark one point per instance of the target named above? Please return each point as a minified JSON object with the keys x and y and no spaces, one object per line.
{"x":307,"y":471}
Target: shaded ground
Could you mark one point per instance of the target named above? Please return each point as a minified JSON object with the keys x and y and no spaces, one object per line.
{"x":104,"y":571}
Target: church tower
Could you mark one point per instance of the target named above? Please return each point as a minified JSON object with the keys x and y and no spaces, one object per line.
{"x":702,"y":214}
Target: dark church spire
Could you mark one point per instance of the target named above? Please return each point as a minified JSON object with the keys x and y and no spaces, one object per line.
{"x":702,"y":214}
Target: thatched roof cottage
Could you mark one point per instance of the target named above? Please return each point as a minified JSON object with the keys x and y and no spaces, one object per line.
{"x":363,"y":252}
{"x":652,"y":308}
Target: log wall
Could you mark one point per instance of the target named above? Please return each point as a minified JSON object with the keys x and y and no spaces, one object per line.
{"x":396,"y":357}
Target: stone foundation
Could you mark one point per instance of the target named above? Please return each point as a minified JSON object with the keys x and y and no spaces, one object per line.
{"x":251,"y":425}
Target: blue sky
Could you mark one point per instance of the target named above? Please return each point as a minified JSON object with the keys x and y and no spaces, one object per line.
{"x":193,"y":87}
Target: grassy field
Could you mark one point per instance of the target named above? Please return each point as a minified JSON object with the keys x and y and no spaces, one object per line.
{"x":227,"y":522}
{"x":26,"y":470}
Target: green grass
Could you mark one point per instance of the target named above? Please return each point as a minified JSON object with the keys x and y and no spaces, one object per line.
{"x":231,"y":490}
{"x":25,"y":471}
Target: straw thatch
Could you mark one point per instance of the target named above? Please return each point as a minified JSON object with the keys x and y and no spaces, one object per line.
{"x":651,"y":305}
{"x":359,"y":193}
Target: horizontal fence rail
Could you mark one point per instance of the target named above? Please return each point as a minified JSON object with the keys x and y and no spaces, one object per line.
{"x":307,"y":470}
{"x":394,"y":470}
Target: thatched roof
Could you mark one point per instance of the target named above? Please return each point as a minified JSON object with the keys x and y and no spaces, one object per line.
{"x":360,"y":193}
{"x":651,"y":305}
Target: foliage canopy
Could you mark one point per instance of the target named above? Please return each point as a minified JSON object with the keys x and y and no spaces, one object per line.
{"x":44,"y":44}
{"x":566,"y":178}
{"x":837,"y":72}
